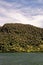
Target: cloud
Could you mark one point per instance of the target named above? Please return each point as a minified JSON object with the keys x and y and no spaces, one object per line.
{"x":18,"y":13}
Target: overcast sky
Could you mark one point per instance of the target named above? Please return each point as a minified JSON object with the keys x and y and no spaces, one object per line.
{"x":22,"y":11}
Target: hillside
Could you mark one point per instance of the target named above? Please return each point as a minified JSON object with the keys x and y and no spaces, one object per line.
{"x":21,"y":38}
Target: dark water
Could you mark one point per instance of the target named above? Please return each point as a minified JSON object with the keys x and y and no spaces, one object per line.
{"x":21,"y":58}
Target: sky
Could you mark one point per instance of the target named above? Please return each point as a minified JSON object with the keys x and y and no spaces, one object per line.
{"x":22,"y":11}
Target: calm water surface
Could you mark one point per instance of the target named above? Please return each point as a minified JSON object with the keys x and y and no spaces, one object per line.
{"x":21,"y":58}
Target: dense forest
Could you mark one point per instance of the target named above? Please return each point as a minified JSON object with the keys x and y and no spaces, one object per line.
{"x":21,"y":38}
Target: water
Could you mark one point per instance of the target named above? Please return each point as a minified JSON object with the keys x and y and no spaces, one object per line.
{"x":21,"y":58}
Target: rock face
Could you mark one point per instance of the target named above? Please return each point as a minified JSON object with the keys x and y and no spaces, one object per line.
{"x":20,"y":38}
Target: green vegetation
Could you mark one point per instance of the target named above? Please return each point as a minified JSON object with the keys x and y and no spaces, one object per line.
{"x":21,"y":38}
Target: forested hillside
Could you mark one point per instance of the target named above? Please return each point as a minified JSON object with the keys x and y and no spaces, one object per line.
{"x":21,"y":38}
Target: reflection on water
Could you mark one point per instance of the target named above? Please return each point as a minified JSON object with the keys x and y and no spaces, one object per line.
{"x":21,"y":58}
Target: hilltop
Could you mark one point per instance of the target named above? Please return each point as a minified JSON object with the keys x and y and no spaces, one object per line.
{"x":21,"y":38}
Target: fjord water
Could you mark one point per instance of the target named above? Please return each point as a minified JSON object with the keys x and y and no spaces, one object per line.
{"x":21,"y":58}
